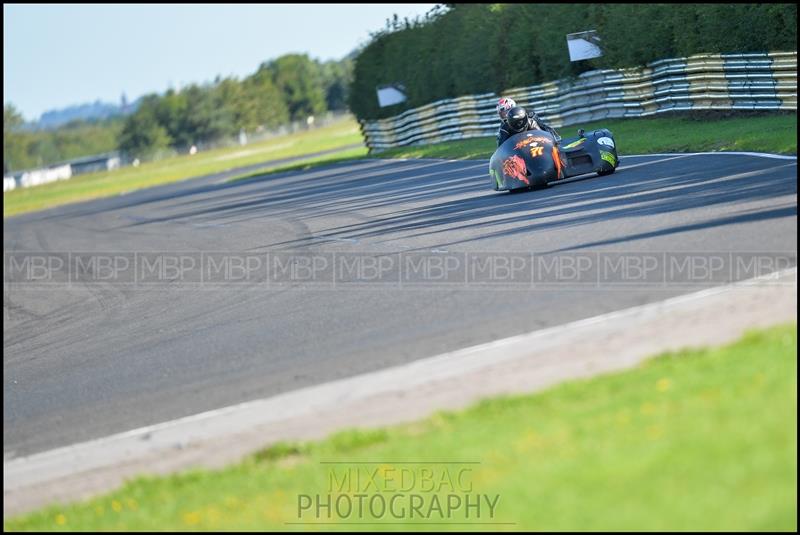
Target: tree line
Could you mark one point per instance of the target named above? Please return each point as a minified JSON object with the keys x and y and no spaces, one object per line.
{"x":289,"y":88}
{"x":461,"y":49}
{"x":25,"y":149}
{"x":285,"y":89}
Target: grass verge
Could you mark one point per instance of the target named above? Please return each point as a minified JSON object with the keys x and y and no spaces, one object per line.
{"x":307,"y":164}
{"x":698,"y":439}
{"x":773,"y":133}
{"x":105,"y":184}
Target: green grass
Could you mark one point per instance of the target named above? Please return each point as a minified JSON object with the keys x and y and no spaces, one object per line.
{"x":105,"y":184}
{"x":773,"y":133}
{"x":358,"y":153}
{"x":699,"y":439}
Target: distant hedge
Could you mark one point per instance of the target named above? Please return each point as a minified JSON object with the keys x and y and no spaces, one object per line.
{"x":464,"y":49}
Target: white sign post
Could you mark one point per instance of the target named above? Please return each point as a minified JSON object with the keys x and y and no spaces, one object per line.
{"x":583,"y":45}
{"x":391,"y":94}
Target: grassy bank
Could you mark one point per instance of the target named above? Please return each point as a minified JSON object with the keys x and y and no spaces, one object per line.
{"x":701,"y":439}
{"x":774,"y":133}
{"x":96,"y":185}
{"x":344,"y":156}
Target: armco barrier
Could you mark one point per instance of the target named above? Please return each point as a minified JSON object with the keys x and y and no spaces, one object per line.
{"x":701,"y":82}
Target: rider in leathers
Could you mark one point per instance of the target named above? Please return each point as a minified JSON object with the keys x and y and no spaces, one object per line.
{"x":519,"y":120}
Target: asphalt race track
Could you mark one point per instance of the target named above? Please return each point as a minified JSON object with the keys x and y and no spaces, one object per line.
{"x":88,"y":359}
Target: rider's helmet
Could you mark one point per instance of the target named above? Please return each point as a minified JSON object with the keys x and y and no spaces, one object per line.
{"x":503,"y":105}
{"x":517,"y":119}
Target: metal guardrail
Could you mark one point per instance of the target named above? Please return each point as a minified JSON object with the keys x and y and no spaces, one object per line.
{"x":765,"y":81}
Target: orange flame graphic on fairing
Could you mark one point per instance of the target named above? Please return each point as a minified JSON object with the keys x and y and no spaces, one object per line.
{"x":557,"y":160}
{"x":515,"y":168}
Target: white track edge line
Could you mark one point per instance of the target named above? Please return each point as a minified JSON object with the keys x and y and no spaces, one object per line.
{"x":757,"y":154}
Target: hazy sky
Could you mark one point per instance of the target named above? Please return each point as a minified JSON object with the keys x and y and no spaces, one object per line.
{"x":58,"y":55}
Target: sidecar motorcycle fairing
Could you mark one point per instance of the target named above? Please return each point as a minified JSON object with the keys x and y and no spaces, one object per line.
{"x":534,"y":158}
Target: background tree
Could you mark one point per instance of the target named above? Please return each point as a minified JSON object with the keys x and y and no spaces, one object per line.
{"x":298,"y":79}
{"x":291,"y":87}
{"x":15,"y":154}
{"x":336,"y":78}
{"x":263,"y":104}
{"x":142,"y":136}
{"x":25,"y":147}
{"x":462,"y":49}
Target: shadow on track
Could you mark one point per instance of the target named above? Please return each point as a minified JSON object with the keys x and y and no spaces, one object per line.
{"x":430,"y":197}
